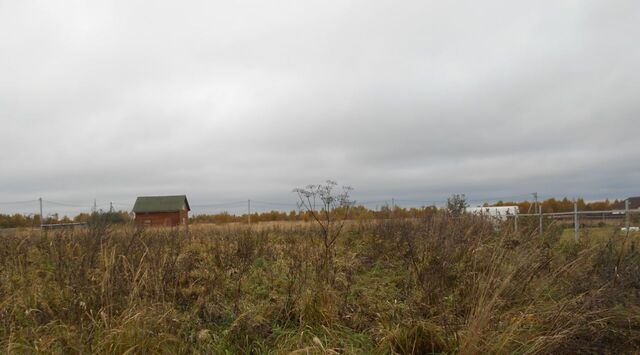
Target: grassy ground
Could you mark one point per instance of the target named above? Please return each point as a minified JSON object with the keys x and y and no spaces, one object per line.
{"x":8,"y":231}
{"x":437,"y":285}
{"x":597,"y":233}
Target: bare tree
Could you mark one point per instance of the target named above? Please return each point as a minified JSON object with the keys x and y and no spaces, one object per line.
{"x":329,"y":207}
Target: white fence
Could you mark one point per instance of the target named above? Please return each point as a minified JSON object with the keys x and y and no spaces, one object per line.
{"x":577,"y":216}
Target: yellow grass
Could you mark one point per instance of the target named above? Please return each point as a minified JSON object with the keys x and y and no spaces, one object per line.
{"x":441,"y":284}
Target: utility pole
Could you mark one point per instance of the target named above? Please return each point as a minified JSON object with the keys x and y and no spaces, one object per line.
{"x":41,"y":216}
{"x":249,"y":211}
{"x":393,"y":207}
{"x":110,"y":207}
{"x":95,"y":206}
{"x":540,"y":209}
{"x":576,"y":225}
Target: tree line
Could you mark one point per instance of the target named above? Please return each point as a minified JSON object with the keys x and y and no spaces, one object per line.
{"x":356,"y":212}
{"x":550,"y":205}
{"x":33,"y":220}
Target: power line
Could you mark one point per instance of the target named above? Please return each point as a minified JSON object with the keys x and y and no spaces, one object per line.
{"x":66,"y":204}
{"x":220,"y":204}
{"x":422,"y":201}
{"x":119,"y":204}
{"x":17,"y":202}
{"x":235,"y":205}
{"x":371,"y":202}
{"x":274,"y":203}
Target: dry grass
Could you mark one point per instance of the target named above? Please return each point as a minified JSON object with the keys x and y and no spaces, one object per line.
{"x":436,"y":285}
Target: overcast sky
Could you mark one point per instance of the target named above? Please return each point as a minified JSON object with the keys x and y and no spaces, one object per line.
{"x":230,"y":100}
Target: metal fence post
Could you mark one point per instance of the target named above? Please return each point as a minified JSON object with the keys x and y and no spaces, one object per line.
{"x":626,"y":214}
{"x":540,"y":213}
{"x":576,"y":225}
{"x":41,"y":215}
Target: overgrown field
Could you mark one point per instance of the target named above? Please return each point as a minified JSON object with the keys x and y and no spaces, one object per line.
{"x":441,"y":284}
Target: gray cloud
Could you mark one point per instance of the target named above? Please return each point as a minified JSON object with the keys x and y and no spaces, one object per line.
{"x":230,"y":101}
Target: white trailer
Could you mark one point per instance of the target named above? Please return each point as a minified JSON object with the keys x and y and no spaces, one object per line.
{"x":501,"y":213}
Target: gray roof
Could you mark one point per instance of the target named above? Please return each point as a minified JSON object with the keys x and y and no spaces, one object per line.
{"x":634,"y":203}
{"x":161,"y":204}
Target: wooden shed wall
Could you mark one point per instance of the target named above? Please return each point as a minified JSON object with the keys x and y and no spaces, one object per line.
{"x":165,"y":219}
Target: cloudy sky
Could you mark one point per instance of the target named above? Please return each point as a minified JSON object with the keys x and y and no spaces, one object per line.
{"x":231,"y":100}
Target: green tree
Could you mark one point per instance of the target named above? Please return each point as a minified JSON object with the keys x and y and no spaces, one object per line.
{"x":456,"y":204}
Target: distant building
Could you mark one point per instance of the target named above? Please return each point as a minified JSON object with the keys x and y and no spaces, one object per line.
{"x":634,"y":204}
{"x":166,"y":211}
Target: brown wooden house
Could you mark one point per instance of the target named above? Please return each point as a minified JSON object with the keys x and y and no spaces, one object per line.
{"x":166,"y":211}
